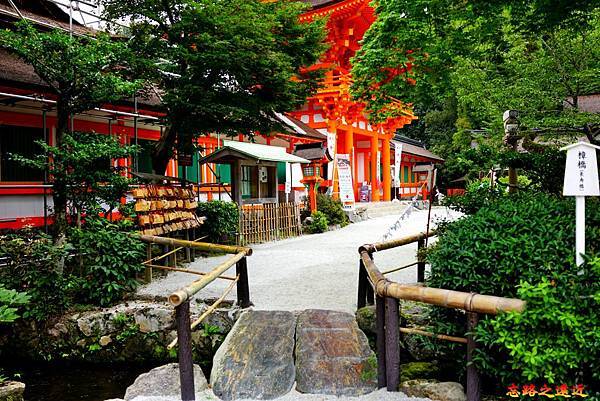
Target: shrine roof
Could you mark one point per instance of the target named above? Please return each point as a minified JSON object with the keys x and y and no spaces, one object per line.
{"x":413,"y":147}
{"x":295,"y":127}
{"x":321,"y":3}
{"x":17,"y":73}
{"x":312,"y":151}
{"x":43,"y":14}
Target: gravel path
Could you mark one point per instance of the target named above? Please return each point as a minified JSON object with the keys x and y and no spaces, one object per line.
{"x":317,"y":271}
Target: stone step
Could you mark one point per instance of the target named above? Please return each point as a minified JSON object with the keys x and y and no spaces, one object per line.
{"x":333,"y":355}
{"x":256,"y":360}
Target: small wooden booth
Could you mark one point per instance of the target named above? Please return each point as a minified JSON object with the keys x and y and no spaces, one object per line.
{"x":253,"y":170}
{"x":254,"y":187}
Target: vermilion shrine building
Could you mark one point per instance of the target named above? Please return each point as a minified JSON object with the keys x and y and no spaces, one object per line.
{"x":26,"y":115}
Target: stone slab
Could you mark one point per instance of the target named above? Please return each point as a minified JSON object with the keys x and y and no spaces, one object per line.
{"x":333,"y":355}
{"x":256,"y":360}
{"x":164,"y":381}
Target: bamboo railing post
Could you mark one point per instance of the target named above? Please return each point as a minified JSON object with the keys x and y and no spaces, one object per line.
{"x":370,"y":293}
{"x":361,"y":302}
{"x":193,"y":250}
{"x":188,"y":253}
{"x":380,"y":321}
{"x":392,"y":344}
{"x":243,"y":290}
{"x":421,"y":263}
{"x":473,"y":382}
{"x":184,"y":338}
{"x":148,"y":271}
{"x":165,"y":249}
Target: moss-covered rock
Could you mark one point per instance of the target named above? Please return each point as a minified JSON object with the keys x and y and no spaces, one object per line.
{"x":136,"y":331}
{"x":11,"y":391}
{"x":418,"y":370}
{"x":366,"y":319}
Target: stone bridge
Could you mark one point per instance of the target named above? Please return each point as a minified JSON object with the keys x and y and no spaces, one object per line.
{"x":266,"y":352}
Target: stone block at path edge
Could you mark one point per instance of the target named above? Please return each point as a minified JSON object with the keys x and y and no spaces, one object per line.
{"x":333,"y":355}
{"x":164,"y":381}
{"x":256,"y":360}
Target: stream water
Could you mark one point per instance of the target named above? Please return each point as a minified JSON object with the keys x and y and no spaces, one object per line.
{"x":76,"y":382}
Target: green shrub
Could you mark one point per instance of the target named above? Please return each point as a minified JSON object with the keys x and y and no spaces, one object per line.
{"x":111,"y":258}
{"x":477,"y":194}
{"x":513,"y":247}
{"x":319,"y":223}
{"x":222,"y":220}
{"x":557,"y":338}
{"x":333,"y":210}
{"x":32,"y":267}
{"x":10,"y":300}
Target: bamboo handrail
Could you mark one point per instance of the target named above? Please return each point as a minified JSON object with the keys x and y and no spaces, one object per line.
{"x":208,"y":311}
{"x":409,"y":330}
{"x":177,"y":269}
{"x":382,"y":246}
{"x":470,"y":302}
{"x":183,"y":294}
{"x":395,"y":269}
{"x":205,"y":246}
{"x":164,"y":255}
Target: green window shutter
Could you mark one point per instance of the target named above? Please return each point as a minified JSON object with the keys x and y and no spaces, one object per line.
{"x":281,"y":172}
{"x":224,"y":171}
{"x":406,"y":174}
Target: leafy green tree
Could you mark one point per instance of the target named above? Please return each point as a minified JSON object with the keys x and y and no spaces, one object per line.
{"x":83,"y":73}
{"x":83,"y":172}
{"x":221,"y":66}
{"x":463,"y":64}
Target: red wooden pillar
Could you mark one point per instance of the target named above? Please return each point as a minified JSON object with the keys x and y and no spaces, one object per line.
{"x":374,"y":178}
{"x":386,"y":171}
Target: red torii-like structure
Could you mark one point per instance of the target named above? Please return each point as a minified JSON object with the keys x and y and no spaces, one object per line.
{"x":333,"y":110}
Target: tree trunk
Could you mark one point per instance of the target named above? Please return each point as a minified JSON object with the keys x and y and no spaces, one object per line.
{"x":59,"y":191}
{"x":163,"y":150}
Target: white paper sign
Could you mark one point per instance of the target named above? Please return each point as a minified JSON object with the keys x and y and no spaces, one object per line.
{"x":397,"y":160}
{"x":344,"y":170}
{"x":581,"y":170}
{"x":331,"y":143}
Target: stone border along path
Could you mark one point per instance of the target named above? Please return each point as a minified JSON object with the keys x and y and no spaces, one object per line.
{"x":318,"y":271}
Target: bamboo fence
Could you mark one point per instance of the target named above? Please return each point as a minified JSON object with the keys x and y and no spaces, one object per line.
{"x":269,"y":222}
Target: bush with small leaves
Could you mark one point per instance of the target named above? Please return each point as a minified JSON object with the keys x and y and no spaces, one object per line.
{"x":523,"y":246}
{"x":110,"y":259}
{"x":318,"y":223}
{"x":333,"y":210}
{"x":32,"y":267}
{"x":222,"y":220}
{"x":10,"y":301}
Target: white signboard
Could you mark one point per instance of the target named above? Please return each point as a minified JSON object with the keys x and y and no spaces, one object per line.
{"x":581,"y":180}
{"x":397,"y":160}
{"x":581,"y":170}
{"x":344,"y":170}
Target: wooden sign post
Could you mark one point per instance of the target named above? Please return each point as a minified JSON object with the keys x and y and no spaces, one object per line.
{"x":581,"y":180}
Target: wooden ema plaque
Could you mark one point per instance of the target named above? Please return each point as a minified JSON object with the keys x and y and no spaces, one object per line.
{"x":164,"y":209}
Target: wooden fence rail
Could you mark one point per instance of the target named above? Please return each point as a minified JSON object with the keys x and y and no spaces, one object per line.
{"x":269,"y":222}
{"x":373,"y":287}
{"x":181,"y":298}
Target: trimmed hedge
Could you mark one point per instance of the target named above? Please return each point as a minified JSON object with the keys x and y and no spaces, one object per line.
{"x":515,"y":247}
